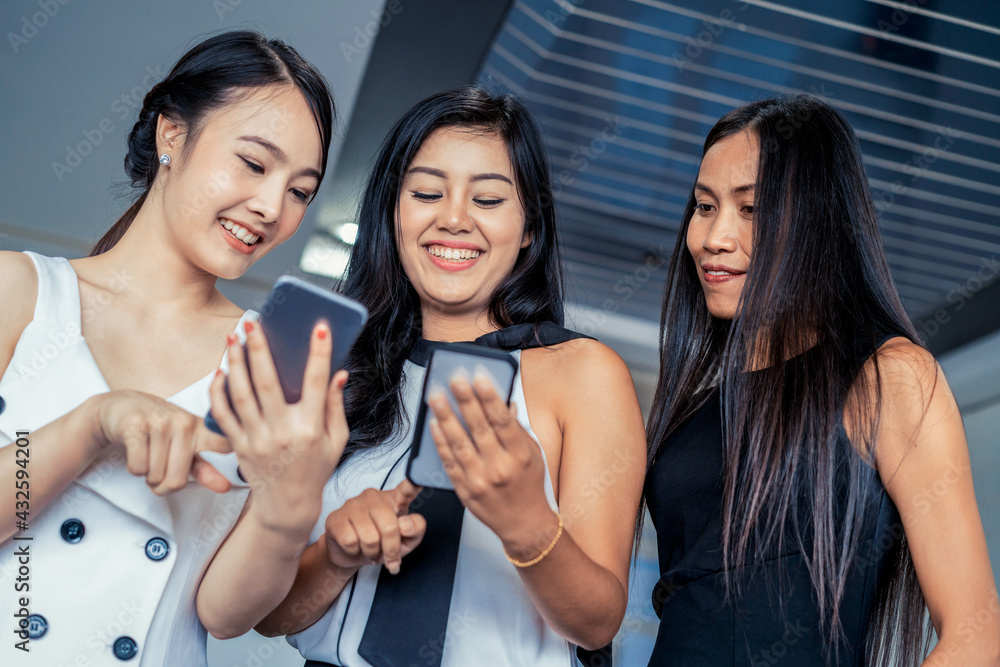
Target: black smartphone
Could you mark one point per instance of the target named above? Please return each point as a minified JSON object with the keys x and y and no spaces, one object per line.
{"x":424,"y":467}
{"x":287,"y":318}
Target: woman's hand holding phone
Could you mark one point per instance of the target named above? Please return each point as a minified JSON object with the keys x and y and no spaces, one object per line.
{"x":496,"y":466}
{"x":374,"y":527}
{"x":287,"y":452}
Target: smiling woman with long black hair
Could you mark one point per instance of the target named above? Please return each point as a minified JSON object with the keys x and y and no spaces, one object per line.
{"x":530,"y":555}
{"x":798,"y":423}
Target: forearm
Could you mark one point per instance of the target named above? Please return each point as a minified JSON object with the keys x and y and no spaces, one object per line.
{"x":53,"y":457}
{"x":952,"y":651}
{"x":250,"y":575}
{"x":317,"y":584}
{"x":580,"y":599}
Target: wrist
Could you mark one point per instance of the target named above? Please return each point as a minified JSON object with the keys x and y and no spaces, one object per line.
{"x":338,"y":572}
{"x":526,"y":542}
{"x":85,"y":421}
{"x":292,"y":528}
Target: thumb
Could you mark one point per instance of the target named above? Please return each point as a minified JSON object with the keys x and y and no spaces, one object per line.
{"x":404,"y":494}
{"x":208,"y":477}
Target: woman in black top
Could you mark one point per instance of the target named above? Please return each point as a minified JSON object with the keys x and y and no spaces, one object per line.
{"x":809,"y":478}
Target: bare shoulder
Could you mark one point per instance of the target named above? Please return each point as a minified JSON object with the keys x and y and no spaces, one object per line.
{"x":16,"y":305}
{"x":17,"y":269}
{"x":908,"y":374}
{"x":578,"y":363}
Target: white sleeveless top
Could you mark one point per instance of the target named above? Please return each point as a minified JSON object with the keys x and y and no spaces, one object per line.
{"x":492,"y":620}
{"x":112,"y":567}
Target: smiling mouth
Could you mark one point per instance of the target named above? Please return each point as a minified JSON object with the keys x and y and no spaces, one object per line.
{"x":239,"y":232}
{"x":452,"y":254}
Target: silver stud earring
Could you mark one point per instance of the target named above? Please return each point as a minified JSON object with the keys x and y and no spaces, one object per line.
{"x":164,"y":159}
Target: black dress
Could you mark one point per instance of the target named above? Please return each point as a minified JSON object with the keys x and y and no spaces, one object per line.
{"x":776,"y":619}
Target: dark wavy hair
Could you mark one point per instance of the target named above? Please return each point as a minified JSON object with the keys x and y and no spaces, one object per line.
{"x":209,"y":76}
{"x":818,"y":280}
{"x":532,"y":292}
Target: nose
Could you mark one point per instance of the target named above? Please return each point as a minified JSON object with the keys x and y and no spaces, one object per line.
{"x":267,"y":201}
{"x":721,"y":235}
{"x":455,"y":216}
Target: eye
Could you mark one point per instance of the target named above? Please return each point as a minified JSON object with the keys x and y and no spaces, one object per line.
{"x":703,"y":208}
{"x":423,"y":196}
{"x":253,"y":166}
{"x":748,"y":209}
{"x":301,"y":196}
{"x":489,"y":203}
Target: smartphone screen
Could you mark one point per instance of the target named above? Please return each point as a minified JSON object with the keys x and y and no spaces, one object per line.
{"x":287,"y":318}
{"x":424,"y":467}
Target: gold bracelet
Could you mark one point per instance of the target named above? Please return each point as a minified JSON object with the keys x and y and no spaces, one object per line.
{"x":544,"y":553}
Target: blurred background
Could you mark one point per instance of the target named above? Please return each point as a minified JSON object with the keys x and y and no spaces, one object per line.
{"x":625,"y":91}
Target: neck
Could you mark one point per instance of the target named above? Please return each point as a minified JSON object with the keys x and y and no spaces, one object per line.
{"x":145,"y":265}
{"x":451,"y":327}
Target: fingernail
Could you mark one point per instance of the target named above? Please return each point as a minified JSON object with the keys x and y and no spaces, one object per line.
{"x":321,"y":332}
{"x":406,"y":524}
{"x":393,"y":567}
{"x":231,"y":339}
{"x":218,"y":372}
{"x":342,"y":382}
{"x":248,"y":326}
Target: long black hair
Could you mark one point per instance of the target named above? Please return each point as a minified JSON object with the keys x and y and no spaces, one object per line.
{"x":532,"y":292}
{"x":206,"y":78}
{"x":818,"y":280}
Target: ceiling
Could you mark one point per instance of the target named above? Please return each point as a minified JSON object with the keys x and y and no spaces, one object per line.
{"x":627,"y":90}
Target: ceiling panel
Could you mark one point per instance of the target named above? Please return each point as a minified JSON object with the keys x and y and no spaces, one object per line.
{"x":627,"y":90}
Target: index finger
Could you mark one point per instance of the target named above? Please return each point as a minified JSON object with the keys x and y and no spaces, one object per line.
{"x":498,"y":412}
{"x":404,"y":494}
{"x":264,"y":376}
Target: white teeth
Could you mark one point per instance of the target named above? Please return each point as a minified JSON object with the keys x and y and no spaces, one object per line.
{"x":241,"y":233}
{"x":454,"y":254}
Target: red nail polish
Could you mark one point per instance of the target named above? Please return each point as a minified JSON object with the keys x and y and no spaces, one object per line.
{"x":321,"y":334}
{"x":342,"y":383}
{"x":248,"y":326}
{"x":231,"y":339}
{"x":218,"y":372}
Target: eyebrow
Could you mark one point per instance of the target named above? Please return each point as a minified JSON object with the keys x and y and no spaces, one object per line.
{"x":441,"y":174}
{"x":740,"y":189}
{"x":279,"y":154}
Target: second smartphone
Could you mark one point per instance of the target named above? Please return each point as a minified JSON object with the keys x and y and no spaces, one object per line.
{"x":424,"y":467}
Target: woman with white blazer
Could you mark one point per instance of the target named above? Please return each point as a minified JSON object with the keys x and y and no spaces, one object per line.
{"x":106,"y":361}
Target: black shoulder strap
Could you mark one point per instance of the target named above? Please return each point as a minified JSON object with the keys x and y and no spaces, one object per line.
{"x":524,"y":336}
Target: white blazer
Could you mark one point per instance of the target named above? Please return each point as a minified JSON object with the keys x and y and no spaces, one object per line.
{"x":109,"y":571}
